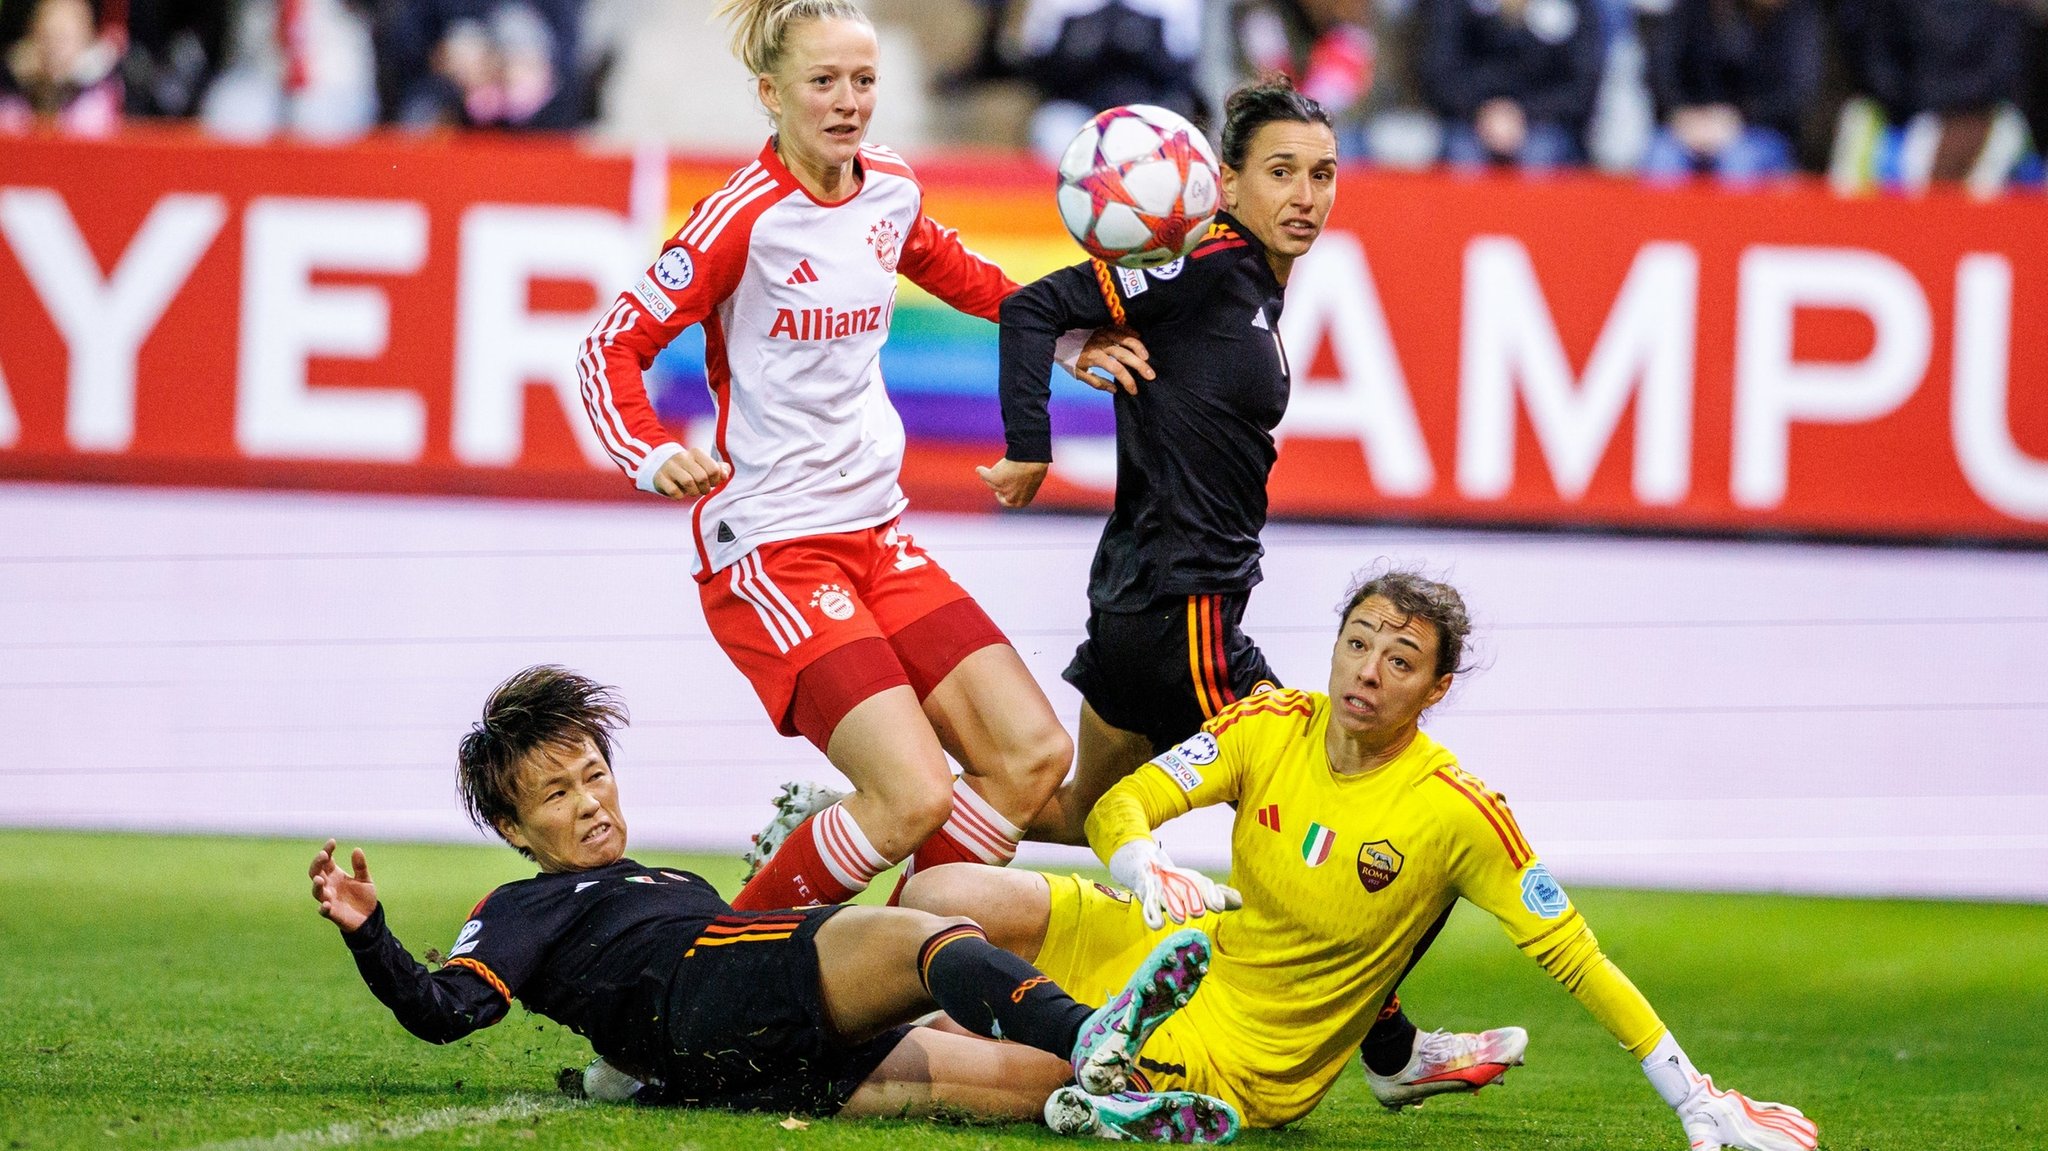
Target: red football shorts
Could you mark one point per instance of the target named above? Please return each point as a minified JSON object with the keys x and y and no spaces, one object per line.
{"x":783,"y":608}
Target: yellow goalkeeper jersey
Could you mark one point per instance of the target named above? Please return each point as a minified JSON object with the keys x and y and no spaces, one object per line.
{"x":1343,"y":878}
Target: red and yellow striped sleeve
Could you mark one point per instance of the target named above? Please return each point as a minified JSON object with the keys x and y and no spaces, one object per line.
{"x":1494,"y":867}
{"x":1283,"y":703}
{"x":1492,"y":807}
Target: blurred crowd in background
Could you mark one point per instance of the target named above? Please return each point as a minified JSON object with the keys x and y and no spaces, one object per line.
{"x":1874,"y":93}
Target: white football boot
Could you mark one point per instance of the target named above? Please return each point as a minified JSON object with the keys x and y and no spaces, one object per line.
{"x":1716,"y":1120}
{"x":798,"y":802}
{"x":1446,"y":1061}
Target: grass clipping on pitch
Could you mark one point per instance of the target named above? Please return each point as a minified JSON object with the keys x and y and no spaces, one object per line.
{"x":184,"y":993}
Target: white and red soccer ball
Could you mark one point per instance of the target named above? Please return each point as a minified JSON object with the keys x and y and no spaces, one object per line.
{"x":1138,"y":186}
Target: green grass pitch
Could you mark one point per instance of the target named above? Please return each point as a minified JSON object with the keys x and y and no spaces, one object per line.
{"x":183,"y":992}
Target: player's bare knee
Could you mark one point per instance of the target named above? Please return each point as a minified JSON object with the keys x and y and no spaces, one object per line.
{"x":1010,"y":906}
{"x":939,"y":891}
{"x":921,"y":810}
{"x":944,"y":922}
{"x":1043,"y":765}
{"x":921,"y":924}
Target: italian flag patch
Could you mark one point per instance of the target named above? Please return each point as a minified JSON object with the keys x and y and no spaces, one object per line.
{"x":1315,"y":846}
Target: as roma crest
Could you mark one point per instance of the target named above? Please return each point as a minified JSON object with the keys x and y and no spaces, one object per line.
{"x":1378,"y":864}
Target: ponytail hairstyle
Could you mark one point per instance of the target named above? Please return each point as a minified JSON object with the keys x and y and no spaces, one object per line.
{"x":760,"y":27}
{"x":1271,"y":98}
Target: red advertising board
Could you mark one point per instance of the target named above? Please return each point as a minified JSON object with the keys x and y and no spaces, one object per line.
{"x":402,"y":315}
{"x":399,"y":315}
{"x":1596,"y":351}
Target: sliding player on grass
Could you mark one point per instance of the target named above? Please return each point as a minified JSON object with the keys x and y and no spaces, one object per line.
{"x":1355,"y":834}
{"x":789,"y":1011}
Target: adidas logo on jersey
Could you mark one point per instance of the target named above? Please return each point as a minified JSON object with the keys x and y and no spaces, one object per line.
{"x":803,"y":274}
{"x":824,"y":323}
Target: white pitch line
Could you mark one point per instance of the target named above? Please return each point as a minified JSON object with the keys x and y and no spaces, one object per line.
{"x":405,"y":1127}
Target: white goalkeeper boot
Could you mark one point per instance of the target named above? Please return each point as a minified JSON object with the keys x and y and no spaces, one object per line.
{"x":1446,"y":1061}
{"x":798,"y":802}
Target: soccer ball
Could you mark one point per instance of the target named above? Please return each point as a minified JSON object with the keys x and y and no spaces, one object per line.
{"x":1138,"y":186}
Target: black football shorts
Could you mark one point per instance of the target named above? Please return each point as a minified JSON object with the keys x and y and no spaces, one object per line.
{"x":1162,"y":671}
{"x":748,"y":1025}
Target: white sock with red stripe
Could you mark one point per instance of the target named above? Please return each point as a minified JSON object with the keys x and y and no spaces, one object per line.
{"x":827,"y":859}
{"x":975,"y":833}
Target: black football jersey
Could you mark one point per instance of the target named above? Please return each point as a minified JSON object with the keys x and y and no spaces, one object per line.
{"x":1195,"y":446}
{"x":592,"y":950}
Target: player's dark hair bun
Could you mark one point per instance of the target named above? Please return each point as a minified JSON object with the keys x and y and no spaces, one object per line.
{"x":1271,"y":98}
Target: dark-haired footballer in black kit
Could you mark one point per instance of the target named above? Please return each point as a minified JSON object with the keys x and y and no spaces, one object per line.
{"x":654,"y":969}
{"x":1180,"y":553}
{"x":791,"y":1011}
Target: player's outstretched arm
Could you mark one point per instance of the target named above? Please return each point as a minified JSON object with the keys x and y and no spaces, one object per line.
{"x":346,"y":899}
{"x":1715,"y":1119}
{"x":1168,"y":786}
{"x":1500,"y":872}
{"x":439,"y":1007}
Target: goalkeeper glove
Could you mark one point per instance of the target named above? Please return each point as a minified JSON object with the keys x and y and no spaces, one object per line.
{"x":1715,"y":1119}
{"x":1164,"y":891}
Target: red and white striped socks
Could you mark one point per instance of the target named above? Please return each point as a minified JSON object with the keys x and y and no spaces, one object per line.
{"x":827,"y":859}
{"x":975,"y":833}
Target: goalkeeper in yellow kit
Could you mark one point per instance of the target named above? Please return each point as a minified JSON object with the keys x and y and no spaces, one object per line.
{"x":1355,"y":834}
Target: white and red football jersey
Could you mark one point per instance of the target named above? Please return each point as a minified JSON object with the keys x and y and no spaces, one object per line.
{"x":795,"y":296}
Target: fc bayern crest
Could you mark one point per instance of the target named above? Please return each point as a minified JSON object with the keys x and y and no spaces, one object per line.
{"x":833,"y":601}
{"x":1378,"y":864}
{"x":887,"y":243}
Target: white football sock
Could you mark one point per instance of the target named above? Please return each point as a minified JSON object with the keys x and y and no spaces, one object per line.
{"x":1670,"y":1072}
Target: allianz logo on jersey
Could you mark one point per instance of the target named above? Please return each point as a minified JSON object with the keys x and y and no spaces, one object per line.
{"x":826,"y":323}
